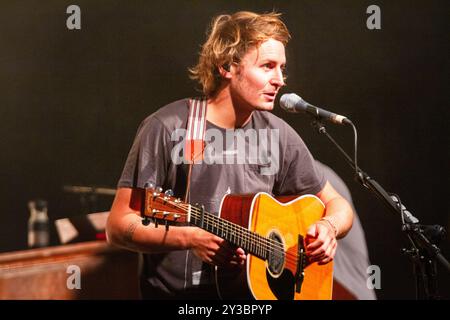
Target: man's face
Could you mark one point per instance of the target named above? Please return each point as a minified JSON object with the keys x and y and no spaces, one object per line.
{"x":255,"y":82}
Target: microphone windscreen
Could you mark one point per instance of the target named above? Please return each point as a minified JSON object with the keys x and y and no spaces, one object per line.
{"x":292,"y":102}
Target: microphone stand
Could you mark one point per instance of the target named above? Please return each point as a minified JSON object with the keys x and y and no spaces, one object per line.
{"x":424,"y":239}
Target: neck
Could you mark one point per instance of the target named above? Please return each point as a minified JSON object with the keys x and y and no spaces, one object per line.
{"x":226,"y":113}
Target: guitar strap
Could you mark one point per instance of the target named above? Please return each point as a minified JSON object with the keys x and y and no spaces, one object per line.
{"x":195,"y":137}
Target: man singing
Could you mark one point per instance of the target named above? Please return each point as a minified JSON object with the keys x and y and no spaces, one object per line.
{"x":240,"y":69}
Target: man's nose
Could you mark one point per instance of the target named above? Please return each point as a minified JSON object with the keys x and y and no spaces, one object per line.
{"x":277,"y":78}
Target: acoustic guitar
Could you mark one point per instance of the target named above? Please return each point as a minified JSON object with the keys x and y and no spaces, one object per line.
{"x":270,"y":230}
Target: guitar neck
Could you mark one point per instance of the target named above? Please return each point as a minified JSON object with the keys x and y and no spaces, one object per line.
{"x":235,"y":234}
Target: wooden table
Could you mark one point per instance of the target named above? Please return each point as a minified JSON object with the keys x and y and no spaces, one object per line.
{"x":105,"y":272}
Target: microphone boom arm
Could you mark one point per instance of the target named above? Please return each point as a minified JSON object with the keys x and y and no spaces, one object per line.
{"x":424,"y":253}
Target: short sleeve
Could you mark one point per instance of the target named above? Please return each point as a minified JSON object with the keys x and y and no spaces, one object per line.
{"x":298,"y":173}
{"x":149,"y":157}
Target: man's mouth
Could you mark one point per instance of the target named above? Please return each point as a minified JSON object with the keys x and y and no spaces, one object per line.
{"x":270,"y":95}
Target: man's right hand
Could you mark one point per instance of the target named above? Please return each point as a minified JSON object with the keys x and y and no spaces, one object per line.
{"x":215,"y":250}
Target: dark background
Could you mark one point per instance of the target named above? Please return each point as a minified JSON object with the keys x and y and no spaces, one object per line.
{"x":71,"y":102}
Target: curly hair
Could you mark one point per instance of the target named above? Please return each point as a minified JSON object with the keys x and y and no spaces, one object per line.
{"x":229,"y":39}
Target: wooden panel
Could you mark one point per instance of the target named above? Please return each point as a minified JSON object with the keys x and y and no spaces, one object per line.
{"x":105,"y":272}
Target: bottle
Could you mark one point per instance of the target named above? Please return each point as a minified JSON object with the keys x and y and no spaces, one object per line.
{"x":38,"y":225}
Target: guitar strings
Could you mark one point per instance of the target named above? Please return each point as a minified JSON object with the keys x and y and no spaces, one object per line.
{"x":262,"y":242}
{"x":277,"y":248}
{"x":290,"y":257}
{"x":229,"y":226}
{"x":233,"y":227}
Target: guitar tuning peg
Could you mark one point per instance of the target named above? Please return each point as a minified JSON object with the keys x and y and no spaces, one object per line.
{"x":149,"y":185}
{"x":146,"y":221}
{"x":169,"y":193}
{"x":158,"y":189}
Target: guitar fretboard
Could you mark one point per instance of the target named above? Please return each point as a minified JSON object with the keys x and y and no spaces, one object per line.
{"x":237,"y":235}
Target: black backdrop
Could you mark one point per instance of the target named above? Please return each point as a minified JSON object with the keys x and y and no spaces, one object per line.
{"x":71,"y":102}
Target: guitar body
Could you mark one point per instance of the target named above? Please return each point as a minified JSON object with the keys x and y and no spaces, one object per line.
{"x":272,"y":233}
{"x":282,"y":220}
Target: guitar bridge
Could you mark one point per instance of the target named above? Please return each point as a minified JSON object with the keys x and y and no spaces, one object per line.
{"x":301,"y":264}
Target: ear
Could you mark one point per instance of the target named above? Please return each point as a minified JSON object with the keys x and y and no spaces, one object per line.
{"x":225,"y":71}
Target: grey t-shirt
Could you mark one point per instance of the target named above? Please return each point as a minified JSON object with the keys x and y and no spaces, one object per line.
{"x":265,"y":155}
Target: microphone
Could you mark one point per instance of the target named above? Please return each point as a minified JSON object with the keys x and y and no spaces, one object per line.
{"x":295,"y":104}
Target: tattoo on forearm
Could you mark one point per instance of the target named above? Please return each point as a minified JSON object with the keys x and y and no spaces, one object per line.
{"x":130,"y":231}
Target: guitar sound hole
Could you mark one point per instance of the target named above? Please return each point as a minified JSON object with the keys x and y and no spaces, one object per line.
{"x":276,"y":255}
